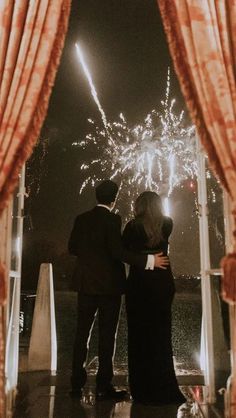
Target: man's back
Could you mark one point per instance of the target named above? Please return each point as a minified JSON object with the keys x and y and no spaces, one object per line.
{"x":95,"y":240}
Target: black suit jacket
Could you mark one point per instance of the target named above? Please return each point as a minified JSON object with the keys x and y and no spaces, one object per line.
{"x":96,"y":241}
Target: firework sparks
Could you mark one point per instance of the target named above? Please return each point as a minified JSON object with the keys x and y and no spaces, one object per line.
{"x":166,"y":206}
{"x":157,"y":154}
{"x":93,"y":89}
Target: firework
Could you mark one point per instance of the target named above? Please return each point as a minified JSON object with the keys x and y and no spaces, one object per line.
{"x":93,"y":89}
{"x":157,"y":154}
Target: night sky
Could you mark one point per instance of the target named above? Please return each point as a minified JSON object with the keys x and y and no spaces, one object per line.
{"x":127,"y":54}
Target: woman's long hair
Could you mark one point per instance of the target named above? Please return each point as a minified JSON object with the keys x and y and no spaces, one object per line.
{"x":148,"y":212}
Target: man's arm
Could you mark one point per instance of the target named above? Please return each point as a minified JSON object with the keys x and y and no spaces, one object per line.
{"x":157,"y":260}
{"x":116,"y":247}
{"x":161,"y":261}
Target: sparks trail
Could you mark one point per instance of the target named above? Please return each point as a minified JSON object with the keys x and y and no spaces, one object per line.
{"x":93,"y":89}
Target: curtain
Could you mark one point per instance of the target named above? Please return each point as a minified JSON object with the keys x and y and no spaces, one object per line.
{"x":202,"y":39}
{"x":32,"y":35}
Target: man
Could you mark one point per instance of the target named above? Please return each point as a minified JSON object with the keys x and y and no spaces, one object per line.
{"x":99,"y":279}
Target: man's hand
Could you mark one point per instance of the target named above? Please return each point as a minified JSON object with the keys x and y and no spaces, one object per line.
{"x":161,"y":261}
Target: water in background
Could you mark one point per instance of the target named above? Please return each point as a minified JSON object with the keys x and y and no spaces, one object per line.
{"x":186,"y":329}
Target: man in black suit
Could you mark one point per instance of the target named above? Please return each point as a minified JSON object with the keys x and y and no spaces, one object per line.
{"x":99,"y":278}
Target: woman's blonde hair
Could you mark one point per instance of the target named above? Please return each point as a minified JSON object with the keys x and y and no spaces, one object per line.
{"x":148,"y":211}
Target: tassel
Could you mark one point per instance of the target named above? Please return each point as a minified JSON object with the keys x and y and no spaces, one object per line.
{"x":228,"y":283}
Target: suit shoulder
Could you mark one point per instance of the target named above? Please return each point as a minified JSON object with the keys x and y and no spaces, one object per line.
{"x":115,"y":215}
{"x":83,"y":216}
{"x":115,"y":219}
{"x":128,"y":229}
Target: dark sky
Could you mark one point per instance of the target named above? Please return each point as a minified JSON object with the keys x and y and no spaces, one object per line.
{"x":127,"y":54}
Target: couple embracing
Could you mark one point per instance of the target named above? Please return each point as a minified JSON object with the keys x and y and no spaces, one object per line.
{"x":100,"y":280}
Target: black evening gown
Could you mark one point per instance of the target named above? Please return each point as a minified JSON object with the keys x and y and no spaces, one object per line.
{"x":149,"y":298}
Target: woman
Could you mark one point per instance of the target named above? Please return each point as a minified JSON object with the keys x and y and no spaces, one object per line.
{"x":148,"y":304}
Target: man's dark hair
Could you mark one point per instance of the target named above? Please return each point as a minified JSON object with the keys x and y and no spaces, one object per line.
{"x":106,"y":192}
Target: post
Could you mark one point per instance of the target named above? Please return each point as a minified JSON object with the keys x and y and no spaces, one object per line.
{"x":207,"y":354}
{"x":5,"y":257}
{"x":230,"y":395}
{"x":43,"y":340}
{"x":12,"y":345}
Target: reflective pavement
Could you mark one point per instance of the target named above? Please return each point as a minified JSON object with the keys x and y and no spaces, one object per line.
{"x":43,"y":396}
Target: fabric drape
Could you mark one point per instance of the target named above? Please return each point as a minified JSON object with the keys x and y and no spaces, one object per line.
{"x":32,"y":35}
{"x":202,"y":40}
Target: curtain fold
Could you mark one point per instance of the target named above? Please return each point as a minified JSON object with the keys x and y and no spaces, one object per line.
{"x":32,"y":36}
{"x":202,"y":41}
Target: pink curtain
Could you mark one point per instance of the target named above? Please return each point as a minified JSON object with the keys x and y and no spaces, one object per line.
{"x":202,"y":41}
{"x":32,"y":35}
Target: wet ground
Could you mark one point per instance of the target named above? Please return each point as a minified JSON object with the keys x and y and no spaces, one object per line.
{"x":186,"y":330}
{"x":43,"y":396}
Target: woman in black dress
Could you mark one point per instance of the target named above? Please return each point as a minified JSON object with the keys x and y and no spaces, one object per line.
{"x":148,"y":303}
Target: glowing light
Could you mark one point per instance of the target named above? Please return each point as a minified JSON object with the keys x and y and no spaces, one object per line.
{"x":157,"y":154}
{"x":92,"y":87}
{"x":166,"y":206}
{"x":172,"y":173}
